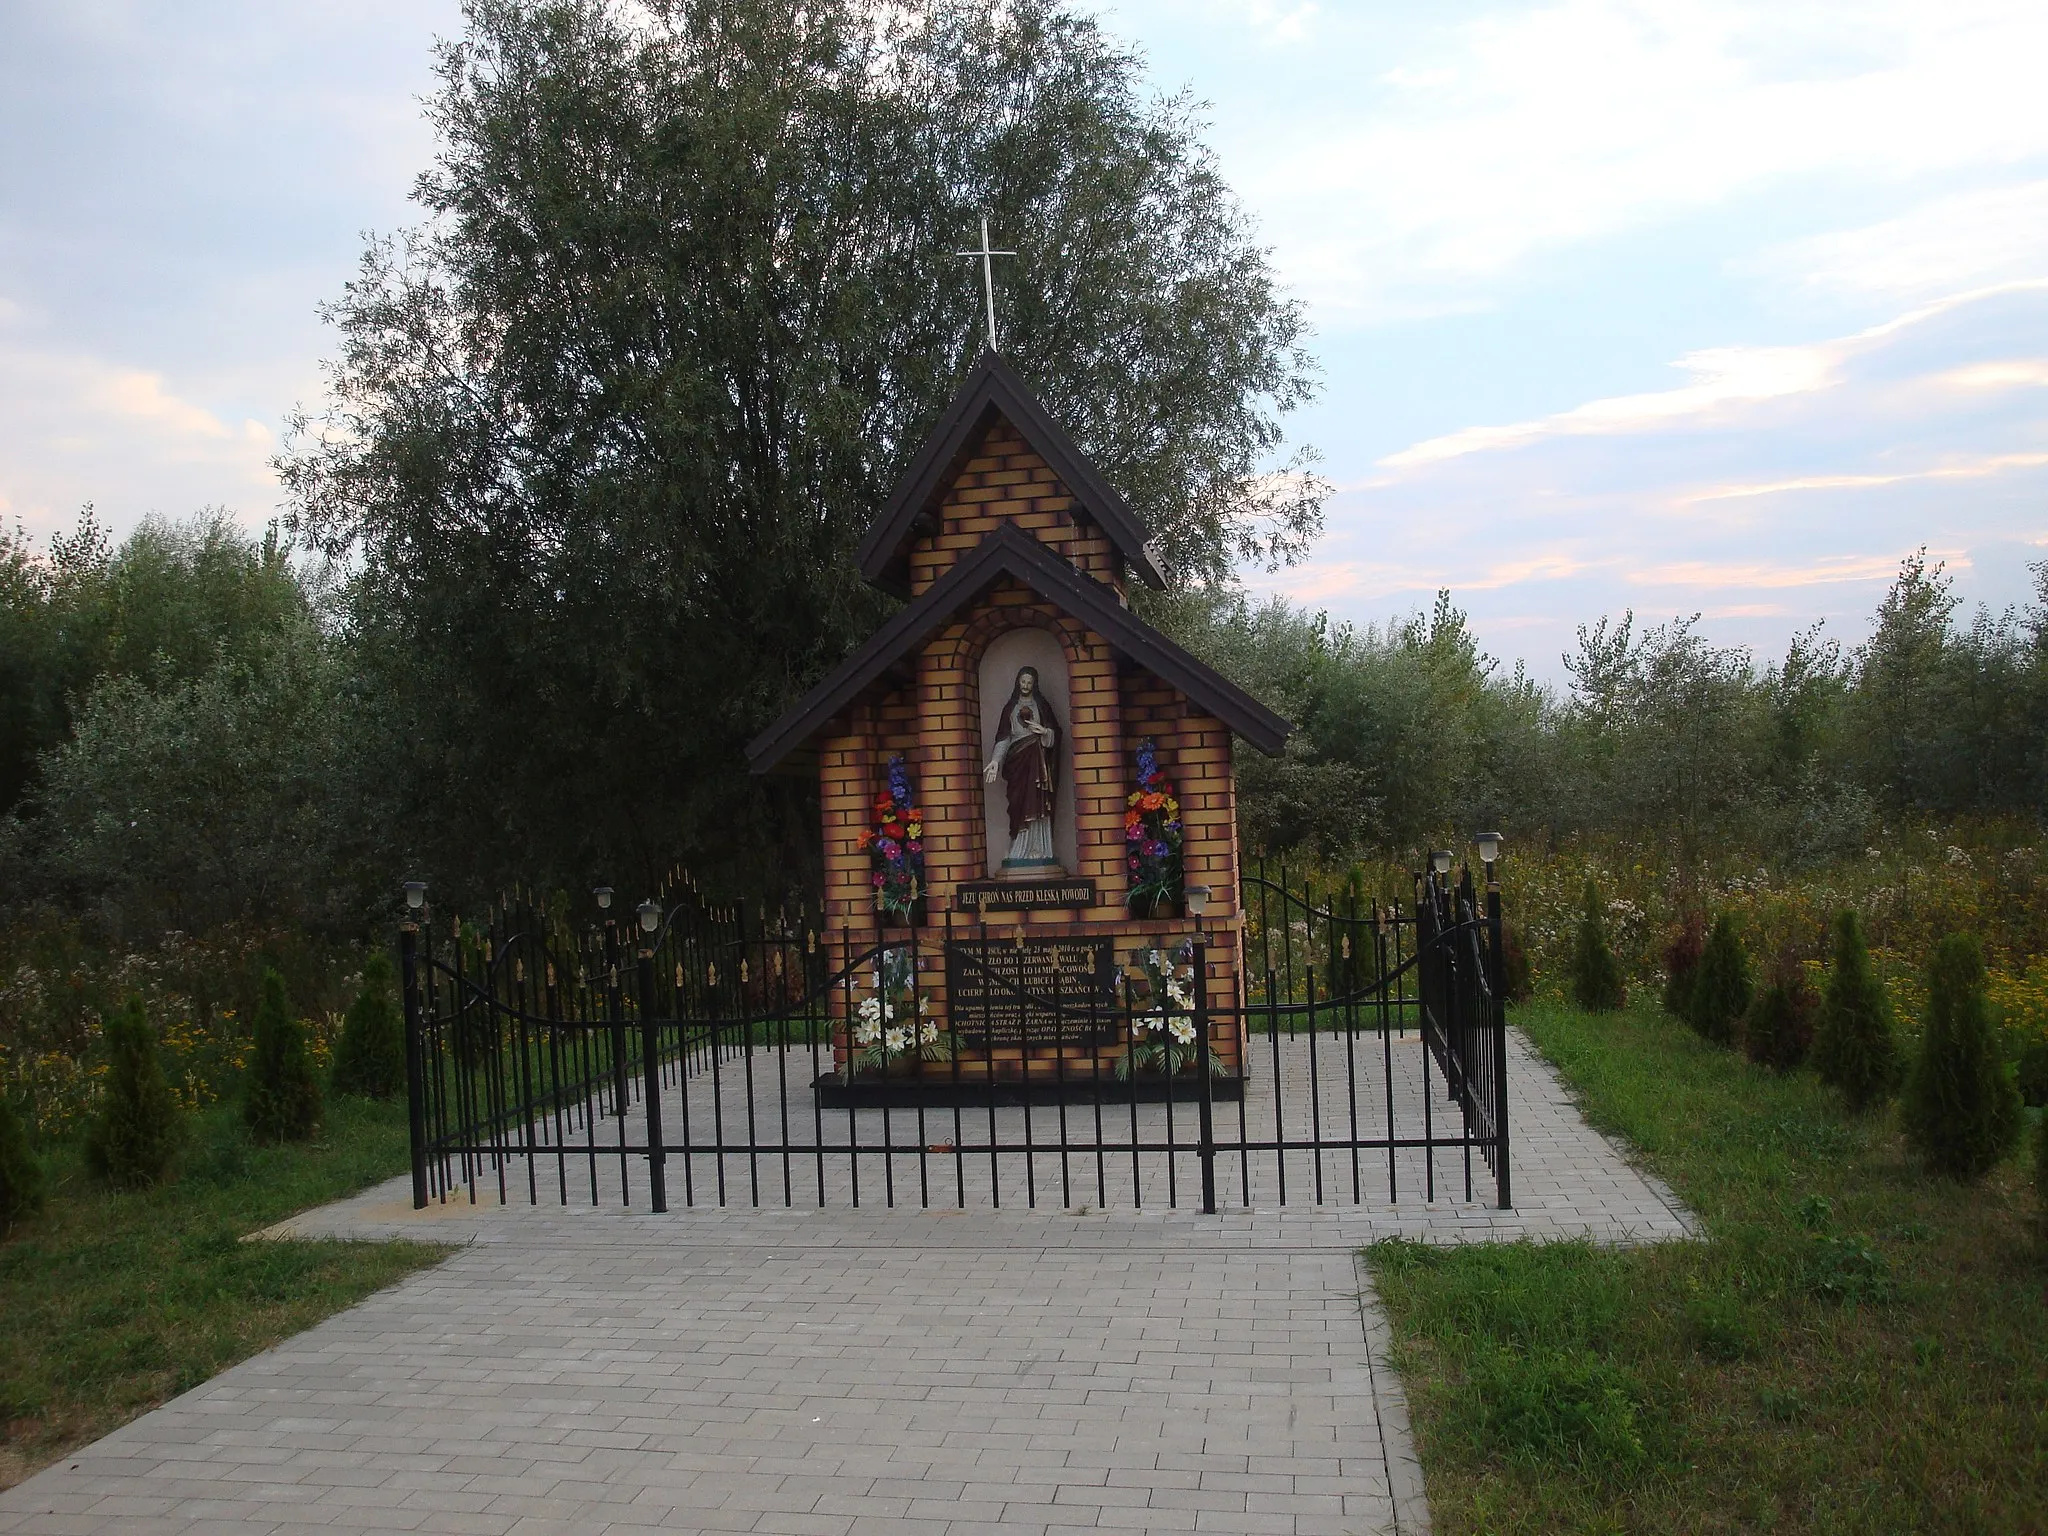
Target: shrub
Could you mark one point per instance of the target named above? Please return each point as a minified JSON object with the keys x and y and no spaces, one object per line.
{"x":1596,"y":974}
{"x":21,"y":1176}
{"x":2041,"y":1166}
{"x":1855,"y":1047}
{"x":1721,"y":989}
{"x":1516,"y":978}
{"x":370,"y":1060}
{"x":1777,"y":1032}
{"x":1962,"y":1112}
{"x":138,"y":1132}
{"x":1682,"y":963}
{"x":2033,"y":1074}
{"x":283,"y":1097}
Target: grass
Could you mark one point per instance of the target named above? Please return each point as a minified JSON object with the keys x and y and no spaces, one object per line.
{"x":1856,"y":1346}
{"x":114,"y":1303}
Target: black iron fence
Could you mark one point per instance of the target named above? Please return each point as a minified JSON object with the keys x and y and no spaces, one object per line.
{"x":1329,"y":1050}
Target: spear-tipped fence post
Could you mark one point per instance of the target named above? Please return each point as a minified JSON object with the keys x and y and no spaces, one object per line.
{"x":650,"y":1051}
{"x":1489,"y":855}
{"x":415,"y":1045}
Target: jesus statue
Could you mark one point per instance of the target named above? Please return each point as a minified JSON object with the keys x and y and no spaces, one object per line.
{"x":1026,"y":754}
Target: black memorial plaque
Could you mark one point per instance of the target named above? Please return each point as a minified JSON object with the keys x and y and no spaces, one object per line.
{"x":1041,"y":992}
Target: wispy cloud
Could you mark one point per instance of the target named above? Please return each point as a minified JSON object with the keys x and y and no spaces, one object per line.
{"x":1724,"y":377}
{"x":1975,"y":469}
{"x":1725,"y":575}
{"x":76,"y":428}
{"x":1962,"y":240}
{"x":1443,"y":172}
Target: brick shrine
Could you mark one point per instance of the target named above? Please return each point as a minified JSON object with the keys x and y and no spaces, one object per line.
{"x":1014,"y":555}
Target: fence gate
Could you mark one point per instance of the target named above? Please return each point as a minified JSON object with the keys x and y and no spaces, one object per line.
{"x":720,"y":1057}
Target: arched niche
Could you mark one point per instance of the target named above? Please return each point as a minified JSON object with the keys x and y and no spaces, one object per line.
{"x":1026,"y":646}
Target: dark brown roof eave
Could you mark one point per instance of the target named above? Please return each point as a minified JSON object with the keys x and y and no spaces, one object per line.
{"x":1010,"y":552}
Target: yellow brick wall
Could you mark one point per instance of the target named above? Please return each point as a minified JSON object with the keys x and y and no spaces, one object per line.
{"x":1004,"y":481}
{"x":935,"y":723}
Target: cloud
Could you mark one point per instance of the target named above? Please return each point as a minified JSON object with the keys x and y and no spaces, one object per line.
{"x":1419,"y":176}
{"x":76,"y":428}
{"x":1725,"y":377}
{"x":1971,"y":469}
{"x":129,"y":392}
{"x":1968,"y":239}
{"x":1723,"y":575}
{"x":1774,"y":487}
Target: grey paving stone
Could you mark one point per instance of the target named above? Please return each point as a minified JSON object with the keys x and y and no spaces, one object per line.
{"x":825,"y":1372}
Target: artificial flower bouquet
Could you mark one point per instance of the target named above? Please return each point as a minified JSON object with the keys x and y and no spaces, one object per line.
{"x":892,"y":1025}
{"x":895,"y":846}
{"x":1158,"y":986}
{"x":1153,"y":837}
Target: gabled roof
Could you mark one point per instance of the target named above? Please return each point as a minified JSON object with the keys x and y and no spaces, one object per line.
{"x":1011,"y":552}
{"x":993,"y":388}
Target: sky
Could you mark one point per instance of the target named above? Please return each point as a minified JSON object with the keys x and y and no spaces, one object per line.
{"x":1677,"y":308}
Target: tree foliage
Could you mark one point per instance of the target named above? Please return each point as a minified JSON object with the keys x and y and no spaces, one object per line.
{"x":1855,"y":1045}
{"x":603,"y":432}
{"x":139,"y":1132}
{"x":169,"y":604}
{"x":1961,"y":1110}
{"x":282,"y":1099}
{"x":370,"y":1059}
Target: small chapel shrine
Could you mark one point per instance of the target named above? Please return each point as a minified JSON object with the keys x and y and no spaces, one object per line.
{"x":1016,"y":765}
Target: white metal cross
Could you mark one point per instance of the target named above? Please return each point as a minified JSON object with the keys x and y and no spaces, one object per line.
{"x":988,"y":278}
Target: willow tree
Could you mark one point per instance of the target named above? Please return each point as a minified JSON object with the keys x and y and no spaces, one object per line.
{"x":602,"y":432}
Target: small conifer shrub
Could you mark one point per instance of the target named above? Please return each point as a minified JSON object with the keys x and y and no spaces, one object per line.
{"x":282,"y":1101}
{"x":1777,"y":1032}
{"x":2041,"y":1168}
{"x":1962,"y":1112}
{"x":1855,"y":1046}
{"x":1682,"y":963}
{"x":2033,"y":1074}
{"x":136,"y":1138}
{"x":370,"y":1060}
{"x":21,"y":1176}
{"x":1721,"y":990}
{"x":1596,"y":975}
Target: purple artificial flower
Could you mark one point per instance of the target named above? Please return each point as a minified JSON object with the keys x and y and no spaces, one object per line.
{"x":899,"y":780}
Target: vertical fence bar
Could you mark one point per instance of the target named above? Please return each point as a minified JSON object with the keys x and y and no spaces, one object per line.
{"x":650,"y":1061}
{"x":1496,"y":942}
{"x":1206,"y":1132}
{"x":415,"y":1060}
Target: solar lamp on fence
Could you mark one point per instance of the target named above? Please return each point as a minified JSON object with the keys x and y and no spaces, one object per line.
{"x":1489,"y":847}
{"x":1440,"y":860}
{"x":1197,"y":898}
{"x":415,"y":894}
{"x":650,"y":916}
{"x":603,"y":893}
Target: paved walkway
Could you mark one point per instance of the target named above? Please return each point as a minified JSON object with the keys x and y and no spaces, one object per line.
{"x":592,"y":1369}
